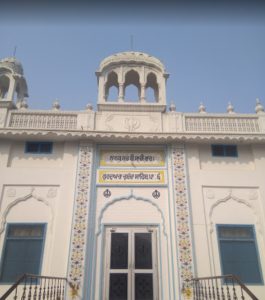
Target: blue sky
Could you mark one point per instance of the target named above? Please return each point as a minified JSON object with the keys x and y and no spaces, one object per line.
{"x":209,"y":60}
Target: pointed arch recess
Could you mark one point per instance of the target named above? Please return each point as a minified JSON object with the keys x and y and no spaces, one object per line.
{"x":112,"y":82}
{"x":23,"y":199}
{"x":128,"y":198}
{"x":231,"y":197}
{"x":151,"y":83}
{"x":132,"y":80}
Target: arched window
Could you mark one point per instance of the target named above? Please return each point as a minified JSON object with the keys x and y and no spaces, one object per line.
{"x":4,"y":86}
{"x":151,"y":88}
{"x":113,"y":94}
{"x":150,"y":95}
{"x":132,"y":86}
{"x":111,"y":87}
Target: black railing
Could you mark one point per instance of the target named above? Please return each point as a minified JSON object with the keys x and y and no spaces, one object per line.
{"x":227,"y":287}
{"x":33,"y":287}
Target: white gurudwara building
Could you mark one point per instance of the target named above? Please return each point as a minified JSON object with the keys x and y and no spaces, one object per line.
{"x":130,"y":201}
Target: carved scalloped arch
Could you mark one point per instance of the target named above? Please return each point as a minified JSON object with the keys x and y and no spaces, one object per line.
{"x":238,"y":200}
{"x":130,"y":197}
{"x":127,"y":69}
{"x":19,"y":200}
{"x":106,"y":77}
{"x":156,"y":74}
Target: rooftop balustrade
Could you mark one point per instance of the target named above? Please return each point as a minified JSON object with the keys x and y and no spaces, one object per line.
{"x":188,"y":123}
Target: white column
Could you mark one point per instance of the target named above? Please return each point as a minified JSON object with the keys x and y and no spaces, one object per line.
{"x":142,"y":93}
{"x":101,"y":90}
{"x":11,"y":90}
{"x":121,"y":92}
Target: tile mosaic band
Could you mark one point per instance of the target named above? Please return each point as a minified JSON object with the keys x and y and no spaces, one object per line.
{"x":81,"y":206}
{"x":184,"y":243}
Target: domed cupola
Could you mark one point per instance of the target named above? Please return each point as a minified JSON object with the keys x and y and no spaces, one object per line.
{"x":13,"y":85}
{"x":141,"y":70}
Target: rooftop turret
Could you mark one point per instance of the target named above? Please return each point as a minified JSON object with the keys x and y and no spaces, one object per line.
{"x":141,"y":70}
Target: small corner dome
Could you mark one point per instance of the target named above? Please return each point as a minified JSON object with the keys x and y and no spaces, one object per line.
{"x":131,"y":57}
{"x":12,"y":64}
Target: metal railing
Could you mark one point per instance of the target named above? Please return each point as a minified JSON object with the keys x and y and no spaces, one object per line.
{"x":227,"y":287}
{"x":33,"y":287}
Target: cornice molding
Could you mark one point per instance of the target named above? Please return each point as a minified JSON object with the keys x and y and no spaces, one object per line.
{"x":103,"y":136}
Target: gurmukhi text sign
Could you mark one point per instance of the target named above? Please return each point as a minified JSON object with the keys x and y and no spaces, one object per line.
{"x":126,"y":158}
{"x":131,"y":177}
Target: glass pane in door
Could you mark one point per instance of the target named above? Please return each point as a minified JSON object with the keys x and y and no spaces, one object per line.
{"x":119,"y":251}
{"x":143,"y":250}
{"x":118,"y":286}
{"x":143,"y":286}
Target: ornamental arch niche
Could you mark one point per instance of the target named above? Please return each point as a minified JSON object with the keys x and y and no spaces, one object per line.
{"x":132,"y":86}
{"x":151,"y":88}
{"x":111,"y":87}
{"x":137,"y":206}
{"x":31,"y":202}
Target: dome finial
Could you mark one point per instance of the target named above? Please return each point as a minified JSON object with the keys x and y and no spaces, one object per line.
{"x":259,"y":107}
{"x":202,"y":108}
{"x":24,"y":104}
{"x":89,"y":106}
{"x":14,"y":52}
{"x":172,"y":106}
{"x":230,"y":108}
{"x":56,"y":105}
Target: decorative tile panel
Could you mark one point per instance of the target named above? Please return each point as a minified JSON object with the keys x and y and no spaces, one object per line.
{"x":184,"y":243}
{"x":79,"y":229}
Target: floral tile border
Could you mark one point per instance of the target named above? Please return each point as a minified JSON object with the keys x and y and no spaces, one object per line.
{"x":184,"y":242}
{"x":80,"y":220}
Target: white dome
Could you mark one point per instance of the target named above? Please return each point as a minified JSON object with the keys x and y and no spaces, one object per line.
{"x":13,"y":64}
{"x":131,"y":57}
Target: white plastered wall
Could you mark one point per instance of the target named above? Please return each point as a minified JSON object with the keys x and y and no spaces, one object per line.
{"x":225,"y":191}
{"x":42,"y":194}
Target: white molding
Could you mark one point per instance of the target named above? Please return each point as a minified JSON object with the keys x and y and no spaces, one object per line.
{"x":124,"y":137}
